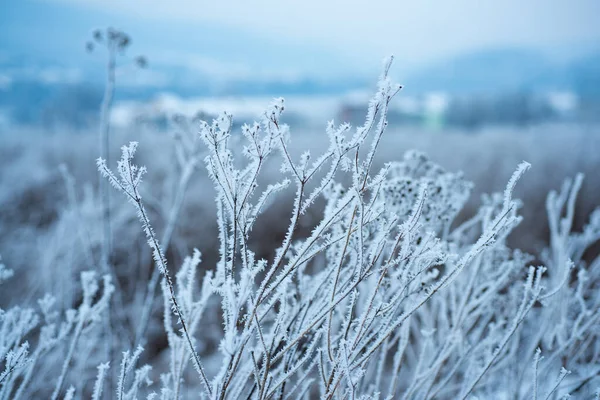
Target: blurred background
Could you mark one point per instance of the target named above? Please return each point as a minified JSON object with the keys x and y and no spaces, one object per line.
{"x":486,"y":85}
{"x":465,"y":64}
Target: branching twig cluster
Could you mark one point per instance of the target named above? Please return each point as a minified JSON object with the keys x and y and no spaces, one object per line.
{"x":388,"y":297}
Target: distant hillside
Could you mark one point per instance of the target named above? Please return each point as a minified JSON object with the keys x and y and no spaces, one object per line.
{"x":507,"y":70}
{"x":38,"y":89}
{"x":585,"y":75}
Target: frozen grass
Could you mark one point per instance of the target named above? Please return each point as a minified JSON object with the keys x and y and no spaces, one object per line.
{"x":34,"y":200}
{"x":398,"y":279}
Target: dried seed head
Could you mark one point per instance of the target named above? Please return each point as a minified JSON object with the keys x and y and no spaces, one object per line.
{"x":97,"y":35}
{"x":141,"y":61}
{"x":123,"y":40}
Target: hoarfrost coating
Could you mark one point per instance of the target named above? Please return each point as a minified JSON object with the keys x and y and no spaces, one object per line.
{"x":389,"y":295}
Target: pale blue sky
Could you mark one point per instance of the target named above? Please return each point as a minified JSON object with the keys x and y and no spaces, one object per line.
{"x":292,"y":39}
{"x":421,"y":30}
